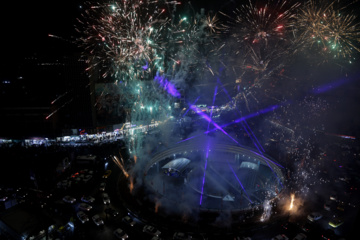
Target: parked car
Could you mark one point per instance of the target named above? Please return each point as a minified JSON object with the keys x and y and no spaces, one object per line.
{"x":129,"y":220}
{"x":3,"y":197}
{"x":120,"y":234}
{"x":336,"y":222}
{"x":97,"y":220}
{"x":156,"y":238}
{"x":327,"y":206}
{"x":88,"y":199}
{"x":181,"y":236}
{"x":289,"y":226}
{"x":151,"y":230}
{"x":106,"y":198}
{"x":85,"y":206}
{"x":65,"y":183}
{"x":69,"y":199}
{"x":307,"y":227}
{"x":112,"y":212}
{"x":333,"y":197}
{"x":77,"y":180}
{"x":314,"y":216}
{"x":300,"y":236}
{"x":280,"y":237}
{"x":341,"y":206}
{"x":102,"y":186}
{"x":82,"y":216}
{"x":87,"y":178}
{"x":329,"y":234}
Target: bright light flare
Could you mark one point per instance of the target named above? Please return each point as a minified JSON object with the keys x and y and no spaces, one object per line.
{"x":292,"y":202}
{"x":119,"y":164}
{"x":157,"y":205}
{"x":131,"y":184}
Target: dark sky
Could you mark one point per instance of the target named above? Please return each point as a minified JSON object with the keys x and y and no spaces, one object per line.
{"x":27,"y":24}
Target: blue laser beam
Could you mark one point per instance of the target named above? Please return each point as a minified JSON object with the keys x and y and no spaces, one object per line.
{"x":207,"y":118}
{"x":239,"y":182}
{"x":203,"y":180}
{"x":207,"y":151}
{"x":252,"y":133}
{"x":191,"y":105}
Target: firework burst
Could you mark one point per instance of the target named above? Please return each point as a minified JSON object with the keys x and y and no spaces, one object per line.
{"x":256,"y":23}
{"x":192,"y":48}
{"x":329,"y":27}
{"x":121,"y":37}
{"x":262,"y":41}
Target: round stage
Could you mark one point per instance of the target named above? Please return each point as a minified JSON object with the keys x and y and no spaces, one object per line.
{"x":212,"y":177}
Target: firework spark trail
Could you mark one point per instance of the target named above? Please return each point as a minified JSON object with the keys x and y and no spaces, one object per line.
{"x":121,"y":157}
{"x":120,"y":165}
{"x":341,"y":136}
{"x":131,"y":183}
{"x":55,"y":100}
{"x":48,"y":116}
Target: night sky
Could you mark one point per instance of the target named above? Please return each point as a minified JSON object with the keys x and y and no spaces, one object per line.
{"x":25,"y":27}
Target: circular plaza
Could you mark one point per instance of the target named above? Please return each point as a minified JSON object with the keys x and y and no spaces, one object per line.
{"x":207,"y":176}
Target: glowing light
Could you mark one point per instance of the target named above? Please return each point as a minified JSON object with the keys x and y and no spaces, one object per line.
{"x":330,"y":86}
{"x":120,"y":165}
{"x":131,"y":184}
{"x":207,"y":118}
{"x":167,"y":85}
{"x":292,"y":201}
{"x":157,"y":205}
